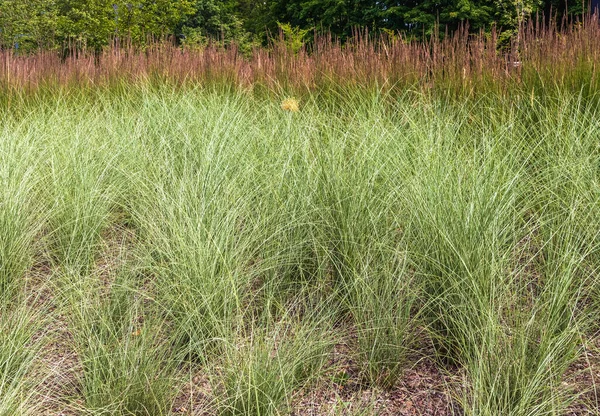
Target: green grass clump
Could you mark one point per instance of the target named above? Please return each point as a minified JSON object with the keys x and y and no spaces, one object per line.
{"x":21,"y":218}
{"x":261,"y":372}
{"x":125,"y":365}
{"x":19,"y":380}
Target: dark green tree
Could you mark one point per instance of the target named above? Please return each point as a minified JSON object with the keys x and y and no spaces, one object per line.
{"x":140,"y":19}
{"x":89,"y":22}
{"x":28,"y":24}
{"x":31,"y":24}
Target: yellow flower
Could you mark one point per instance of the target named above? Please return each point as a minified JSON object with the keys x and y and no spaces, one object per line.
{"x":290,"y":104}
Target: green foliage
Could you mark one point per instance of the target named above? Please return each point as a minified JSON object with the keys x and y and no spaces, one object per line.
{"x":512,"y":13}
{"x":139,"y":19}
{"x":31,"y":24}
{"x":293,"y":36}
{"x":217,"y":19}
{"x":28,"y":24}
{"x":90,"y":23}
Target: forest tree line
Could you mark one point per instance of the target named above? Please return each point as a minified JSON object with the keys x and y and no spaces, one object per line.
{"x":28,"y":25}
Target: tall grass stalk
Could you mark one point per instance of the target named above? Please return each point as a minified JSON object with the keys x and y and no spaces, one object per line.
{"x":461,"y":63}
